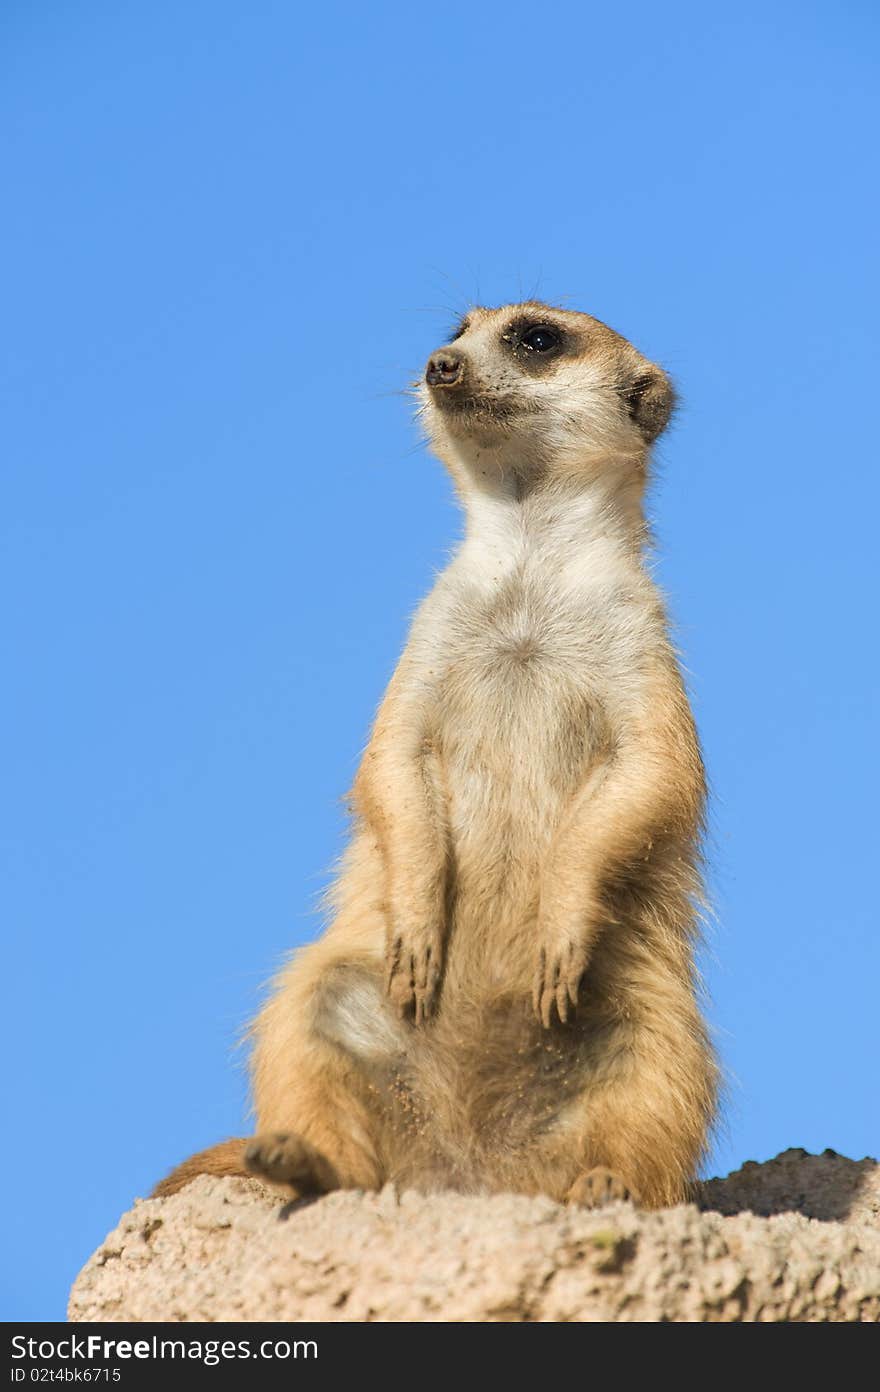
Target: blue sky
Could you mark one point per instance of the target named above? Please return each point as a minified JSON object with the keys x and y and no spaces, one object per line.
{"x":231,"y":234}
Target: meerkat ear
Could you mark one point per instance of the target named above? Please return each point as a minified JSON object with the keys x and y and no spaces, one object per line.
{"x":650,"y":399}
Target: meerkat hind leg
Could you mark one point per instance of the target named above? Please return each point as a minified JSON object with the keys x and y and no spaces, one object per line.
{"x":325,"y":1047}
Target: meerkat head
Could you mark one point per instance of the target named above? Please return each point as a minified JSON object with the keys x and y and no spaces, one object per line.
{"x":528,"y":392}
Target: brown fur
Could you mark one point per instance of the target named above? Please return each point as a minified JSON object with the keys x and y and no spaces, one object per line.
{"x":227,"y":1158}
{"x":505,"y":998}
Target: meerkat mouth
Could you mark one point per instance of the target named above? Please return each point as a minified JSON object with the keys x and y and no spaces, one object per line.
{"x":477,"y":403}
{"x":467,"y":411}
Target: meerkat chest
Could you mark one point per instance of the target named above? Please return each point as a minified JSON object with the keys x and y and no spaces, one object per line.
{"x":540,"y":638}
{"x":533,"y":664}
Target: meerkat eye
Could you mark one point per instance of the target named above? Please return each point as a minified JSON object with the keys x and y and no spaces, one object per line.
{"x":540,"y":339}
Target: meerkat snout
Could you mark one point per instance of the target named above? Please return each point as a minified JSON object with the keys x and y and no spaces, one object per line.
{"x":445,"y":368}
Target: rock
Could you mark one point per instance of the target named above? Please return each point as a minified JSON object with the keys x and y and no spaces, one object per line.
{"x":797,"y":1238}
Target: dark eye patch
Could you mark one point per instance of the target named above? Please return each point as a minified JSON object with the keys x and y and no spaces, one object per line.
{"x":540,"y":339}
{"x":535,"y":342}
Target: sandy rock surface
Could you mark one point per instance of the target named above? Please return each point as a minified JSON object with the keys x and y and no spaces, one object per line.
{"x":797,"y":1238}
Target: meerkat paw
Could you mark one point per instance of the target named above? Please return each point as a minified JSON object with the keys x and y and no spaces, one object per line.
{"x":413,"y":975}
{"x":282,"y":1157}
{"x":557,"y":981}
{"x":597,"y":1187}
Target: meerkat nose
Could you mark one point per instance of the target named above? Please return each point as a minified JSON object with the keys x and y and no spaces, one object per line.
{"x":444,"y":368}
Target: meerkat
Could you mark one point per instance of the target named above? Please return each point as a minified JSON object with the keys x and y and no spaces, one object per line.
{"x":505,"y":998}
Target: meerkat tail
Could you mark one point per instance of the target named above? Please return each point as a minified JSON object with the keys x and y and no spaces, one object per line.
{"x":227,"y":1158}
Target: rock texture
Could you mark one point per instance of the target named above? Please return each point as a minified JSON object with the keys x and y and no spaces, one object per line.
{"x":797,"y":1238}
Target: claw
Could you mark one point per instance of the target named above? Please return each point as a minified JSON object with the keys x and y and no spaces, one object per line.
{"x":411,"y":979}
{"x":562,"y":991}
{"x":557,"y":983}
{"x":421,"y":980}
{"x":538,"y":987}
{"x":392,"y":962}
{"x":547,"y":1004}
